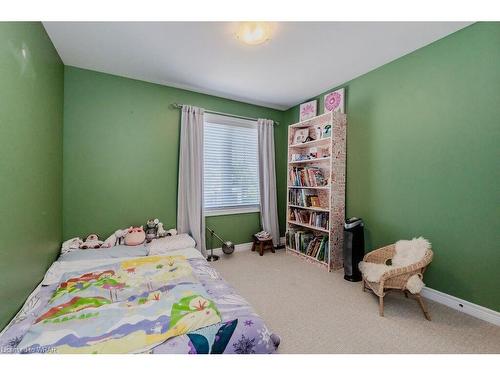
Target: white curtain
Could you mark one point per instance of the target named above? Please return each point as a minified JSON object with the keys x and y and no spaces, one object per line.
{"x":190,"y":211}
{"x":267,"y":180}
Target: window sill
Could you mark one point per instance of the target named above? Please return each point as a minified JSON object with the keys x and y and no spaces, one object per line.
{"x":232,"y":211}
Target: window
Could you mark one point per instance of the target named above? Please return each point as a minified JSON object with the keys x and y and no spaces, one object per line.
{"x":231,"y":181}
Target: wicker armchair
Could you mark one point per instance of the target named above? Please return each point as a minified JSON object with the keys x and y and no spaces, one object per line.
{"x":395,"y":279}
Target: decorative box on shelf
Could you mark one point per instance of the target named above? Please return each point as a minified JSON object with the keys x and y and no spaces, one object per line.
{"x":316,"y":189}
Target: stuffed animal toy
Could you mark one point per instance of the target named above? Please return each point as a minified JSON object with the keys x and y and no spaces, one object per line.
{"x":160,"y":231}
{"x":71,"y":244}
{"x":120,"y":235}
{"x":109,"y":242}
{"x":135,"y":236}
{"x":116,"y":238}
{"x":151,"y":228}
{"x":91,"y":242}
{"x":171,"y":232}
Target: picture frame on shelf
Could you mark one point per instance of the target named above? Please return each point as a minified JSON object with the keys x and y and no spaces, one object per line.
{"x":327,"y":131}
{"x":308,"y":110}
{"x":300,"y":136}
{"x":315,"y":133}
{"x":334,"y":101}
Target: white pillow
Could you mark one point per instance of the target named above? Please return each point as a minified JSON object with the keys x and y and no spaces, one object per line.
{"x":163,"y":245}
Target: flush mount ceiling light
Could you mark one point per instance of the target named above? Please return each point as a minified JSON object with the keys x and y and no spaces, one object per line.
{"x":253,"y":33}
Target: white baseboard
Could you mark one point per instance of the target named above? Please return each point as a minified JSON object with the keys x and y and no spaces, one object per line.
{"x":467,"y":307}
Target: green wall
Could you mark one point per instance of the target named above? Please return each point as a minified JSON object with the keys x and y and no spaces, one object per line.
{"x":31,"y":125}
{"x":423,"y":151}
{"x":423,"y":139}
{"x":121,"y":147}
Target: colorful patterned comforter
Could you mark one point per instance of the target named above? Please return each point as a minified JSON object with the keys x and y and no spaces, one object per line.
{"x":156,"y":304}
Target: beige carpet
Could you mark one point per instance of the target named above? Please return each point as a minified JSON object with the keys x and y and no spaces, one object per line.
{"x":318,"y":312}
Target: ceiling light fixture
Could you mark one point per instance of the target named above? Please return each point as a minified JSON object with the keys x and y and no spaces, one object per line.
{"x":253,"y":33}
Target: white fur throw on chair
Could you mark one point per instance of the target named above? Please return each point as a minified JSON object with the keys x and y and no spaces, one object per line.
{"x":407,"y":253}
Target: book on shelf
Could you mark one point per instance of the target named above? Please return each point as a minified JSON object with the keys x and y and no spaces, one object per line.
{"x":300,"y":197}
{"x":307,"y":176}
{"x":316,"y":219}
{"x":307,"y":243}
{"x":314,"y":201}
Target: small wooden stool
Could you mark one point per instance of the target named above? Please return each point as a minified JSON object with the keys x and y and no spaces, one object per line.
{"x":263,"y":245}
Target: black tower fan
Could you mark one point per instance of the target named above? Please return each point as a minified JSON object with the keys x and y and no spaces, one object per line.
{"x":354,"y":248}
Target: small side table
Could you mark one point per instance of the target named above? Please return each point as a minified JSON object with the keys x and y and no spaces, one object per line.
{"x":263,"y":245}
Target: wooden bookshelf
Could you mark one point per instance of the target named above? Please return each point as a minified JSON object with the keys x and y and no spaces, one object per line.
{"x":323,"y":157}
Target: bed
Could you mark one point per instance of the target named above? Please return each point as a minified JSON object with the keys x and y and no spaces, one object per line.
{"x":114,"y":301}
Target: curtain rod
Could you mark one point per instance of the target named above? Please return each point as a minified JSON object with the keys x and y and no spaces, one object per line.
{"x":178,"y":106}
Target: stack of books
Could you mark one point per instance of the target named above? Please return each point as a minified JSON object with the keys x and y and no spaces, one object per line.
{"x":307,"y":176}
{"x":309,"y":244}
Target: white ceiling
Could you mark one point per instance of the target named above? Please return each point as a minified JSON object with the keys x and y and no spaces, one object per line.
{"x":301,"y":60}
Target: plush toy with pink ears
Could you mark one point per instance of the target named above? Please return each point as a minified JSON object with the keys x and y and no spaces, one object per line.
{"x":135,"y":236}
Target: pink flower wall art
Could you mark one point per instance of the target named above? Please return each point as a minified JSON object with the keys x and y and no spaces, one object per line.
{"x":308,"y":110}
{"x":334,"y":101}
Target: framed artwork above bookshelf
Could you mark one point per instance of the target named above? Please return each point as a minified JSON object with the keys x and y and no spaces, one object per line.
{"x":316,"y":189}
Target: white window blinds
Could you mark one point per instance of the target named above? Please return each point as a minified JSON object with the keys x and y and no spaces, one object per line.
{"x":231,"y":181}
